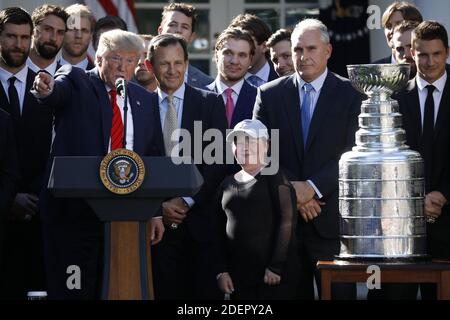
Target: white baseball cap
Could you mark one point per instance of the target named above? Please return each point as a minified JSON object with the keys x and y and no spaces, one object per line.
{"x":253,"y":128}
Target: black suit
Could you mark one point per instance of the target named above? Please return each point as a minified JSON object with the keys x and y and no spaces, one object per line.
{"x":273,"y":74}
{"x":180,"y":261}
{"x":331,"y":132}
{"x":439,"y":177}
{"x":9,"y":176}
{"x":33,"y":132}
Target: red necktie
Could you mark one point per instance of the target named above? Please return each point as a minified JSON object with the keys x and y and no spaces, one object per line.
{"x":117,"y":125}
{"x":229,"y":107}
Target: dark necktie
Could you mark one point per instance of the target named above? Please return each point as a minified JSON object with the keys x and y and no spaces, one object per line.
{"x":14,"y":104}
{"x":428,"y":133}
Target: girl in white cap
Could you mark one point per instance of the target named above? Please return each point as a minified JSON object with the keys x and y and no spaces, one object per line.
{"x":256,"y":255}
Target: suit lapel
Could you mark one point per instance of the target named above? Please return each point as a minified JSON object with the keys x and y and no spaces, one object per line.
{"x":138,"y":125}
{"x":324,"y":103}
{"x":413,"y":108}
{"x":3,"y":100}
{"x":105,"y":106}
{"x":28,"y":96}
{"x":188,"y":115}
{"x":243,"y":107}
{"x":292,"y":107}
{"x":443,"y":109}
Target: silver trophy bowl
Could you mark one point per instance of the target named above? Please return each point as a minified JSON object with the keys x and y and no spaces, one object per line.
{"x":381,"y":183}
{"x":378,"y":79}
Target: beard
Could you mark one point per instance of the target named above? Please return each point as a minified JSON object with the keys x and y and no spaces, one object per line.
{"x":144,"y":77}
{"x":47,"y":50}
{"x":14,"y":62}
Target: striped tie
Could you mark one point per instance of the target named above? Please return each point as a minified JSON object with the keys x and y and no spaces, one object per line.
{"x":170,"y":125}
{"x":117,"y":124}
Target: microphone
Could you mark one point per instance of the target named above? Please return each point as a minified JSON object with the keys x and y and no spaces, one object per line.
{"x":121,"y":87}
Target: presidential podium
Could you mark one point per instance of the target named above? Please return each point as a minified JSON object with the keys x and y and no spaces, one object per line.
{"x":127,"y":262}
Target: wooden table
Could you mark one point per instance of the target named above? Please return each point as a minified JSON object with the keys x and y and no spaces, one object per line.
{"x":421,"y":272}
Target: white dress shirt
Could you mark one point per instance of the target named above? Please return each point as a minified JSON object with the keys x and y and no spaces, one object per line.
{"x":220,"y":87}
{"x":262,"y":73}
{"x":439,"y":84}
{"x":82,"y":64}
{"x":50,"y":69}
{"x":317,"y":85}
{"x":20,"y":83}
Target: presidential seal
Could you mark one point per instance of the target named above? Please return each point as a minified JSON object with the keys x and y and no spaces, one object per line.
{"x":122,"y":171}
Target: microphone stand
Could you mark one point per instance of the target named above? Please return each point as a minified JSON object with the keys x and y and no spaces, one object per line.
{"x":125,"y":112}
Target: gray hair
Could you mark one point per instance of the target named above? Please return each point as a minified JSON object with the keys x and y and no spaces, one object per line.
{"x":311,"y":24}
{"x":119,"y":40}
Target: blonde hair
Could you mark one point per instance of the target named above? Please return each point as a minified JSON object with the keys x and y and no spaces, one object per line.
{"x":119,"y":40}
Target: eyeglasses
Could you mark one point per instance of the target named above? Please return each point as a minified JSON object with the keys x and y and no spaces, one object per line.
{"x":126,"y":61}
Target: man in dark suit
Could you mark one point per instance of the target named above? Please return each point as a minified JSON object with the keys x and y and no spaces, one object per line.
{"x":48,"y":36}
{"x":233,"y":55}
{"x":393,"y":16}
{"x":9,"y":176}
{"x":262,"y":70}
{"x":425,"y":106}
{"x":181,"y":261}
{"x":316,"y":113}
{"x":32,"y":125}
{"x":180,"y":18}
{"x":88,"y":122}
{"x":80,"y":27}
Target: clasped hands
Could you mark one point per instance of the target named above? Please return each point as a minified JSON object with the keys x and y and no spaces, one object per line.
{"x":174,"y":211}
{"x":307,"y":205}
{"x":434,"y":201}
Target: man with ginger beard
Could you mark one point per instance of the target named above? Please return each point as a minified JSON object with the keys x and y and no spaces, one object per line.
{"x":32,"y":127}
{"x":80,"y":27}
{"x":49,"y":31}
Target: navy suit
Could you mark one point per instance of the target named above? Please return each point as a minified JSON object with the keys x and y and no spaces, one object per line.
{"x":331,"y":133}
{"x":242,"y":110}
{"x":23,"y":239}
{"x":180,"y":260}
{"x":73,"y":233}
{"x":197,"y":79}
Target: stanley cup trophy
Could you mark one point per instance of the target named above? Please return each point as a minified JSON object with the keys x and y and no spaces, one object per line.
{"x":381,"y":181}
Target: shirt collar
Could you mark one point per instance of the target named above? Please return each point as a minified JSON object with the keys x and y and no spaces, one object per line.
{"x":221,"y":87}
{"x":50,"y":69}
{"x":262,"y":73}
{"x":82,"y":64}
{"x":179,"y":93}
{"x":439,"y":83}
{"x":317,"y":83}
{"x":393,"y":60}
{"x":21,"y":75}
